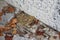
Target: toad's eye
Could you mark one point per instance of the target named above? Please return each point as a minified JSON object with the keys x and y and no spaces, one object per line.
{"x":11,"y":9}
{"x":1,"y":13}
{"x":8,"y":9}
{"x":0,"y":18}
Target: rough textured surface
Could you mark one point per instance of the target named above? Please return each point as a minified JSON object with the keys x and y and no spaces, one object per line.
{"x":24,"y":19}
{"x":44,"y":10}
{"x":8,"y":16}
{"x":42,"y":14}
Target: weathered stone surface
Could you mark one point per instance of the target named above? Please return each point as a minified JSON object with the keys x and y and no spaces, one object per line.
{"x":44,"y":10}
